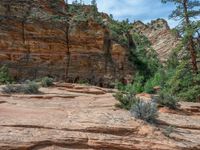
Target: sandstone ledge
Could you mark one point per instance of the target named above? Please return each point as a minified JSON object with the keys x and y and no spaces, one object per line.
{"x":88,"y":121}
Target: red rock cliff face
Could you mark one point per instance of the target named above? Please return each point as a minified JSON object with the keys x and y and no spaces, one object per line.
{"x":35,"y":48}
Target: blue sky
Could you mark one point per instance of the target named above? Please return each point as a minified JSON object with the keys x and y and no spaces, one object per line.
{"x":144,"y":10}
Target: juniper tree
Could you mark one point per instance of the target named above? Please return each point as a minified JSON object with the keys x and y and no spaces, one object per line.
{"x":185,"y":11}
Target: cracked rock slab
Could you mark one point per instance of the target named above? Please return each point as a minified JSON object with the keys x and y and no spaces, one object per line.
{"x":86,"y":120}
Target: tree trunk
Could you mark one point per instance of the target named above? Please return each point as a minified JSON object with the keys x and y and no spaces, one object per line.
{"x":190,"y":44}
{"x":67,"y":53}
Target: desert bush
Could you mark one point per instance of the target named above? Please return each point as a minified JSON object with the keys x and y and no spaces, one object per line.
{"x":126,"y":100}
{"x":4,"y":75}
{"x":46,"y":82}
{"x":27,"y":88}
{"x":11,"y":88}
{"x":146,"y":111}
{"x":30,"y":88}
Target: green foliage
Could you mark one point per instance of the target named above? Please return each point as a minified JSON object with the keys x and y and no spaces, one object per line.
{"x":119,"y":31}
{"x":167,"y":99}
{"x":46,"y":82}
{"x":84,"y":82}
{"x":184,"y":84}
{"x":146,"y":111}
{"x":11,"y":88}
{"x":4,"y":75}
{"x":126,"y":100}
{"x":156,"y":80}
{"x":28,"y":88}
{"x":138,"y":83}
{"x":94,"y":3}
{"x":78,"y":14}
{"x":185,"y":11}
{"x":143,"y":56}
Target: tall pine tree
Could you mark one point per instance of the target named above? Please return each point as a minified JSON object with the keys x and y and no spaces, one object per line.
{"x":185,"y":11}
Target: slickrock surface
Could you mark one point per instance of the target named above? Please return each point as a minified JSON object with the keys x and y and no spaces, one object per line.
{"x":67,"y":116}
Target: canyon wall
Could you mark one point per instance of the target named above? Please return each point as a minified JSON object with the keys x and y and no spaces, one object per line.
{"x":37,"y":47}
{"x":33,"y":45}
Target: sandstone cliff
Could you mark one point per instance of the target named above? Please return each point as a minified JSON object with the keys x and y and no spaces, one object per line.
{"x":32,"y":44}
{"x":36,"y":47}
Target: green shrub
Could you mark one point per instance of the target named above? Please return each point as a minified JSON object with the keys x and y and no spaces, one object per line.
{"x":11,"y":88}
{"x":30,"y":88}
{"x":148,"y":87}
{"x":126,"y":100}
{"x":146,"y":111}
{"x":156,"y":80}
{"x":191,"y":94}
{"x":27,"y":88}
{"x":184,"y":84}
{"x":4,"y":75}
{"x":167,"y":99}
{"x":46,"y":82}
{"x":138,"y":84}
{"x":125,"y":88}
{"x":120,"y":86}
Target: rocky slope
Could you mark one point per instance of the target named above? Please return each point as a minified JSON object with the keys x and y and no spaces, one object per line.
{"x":69,"y":116}
{"x":163,"y":40}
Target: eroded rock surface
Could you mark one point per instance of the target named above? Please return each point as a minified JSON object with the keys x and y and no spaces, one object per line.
{"x":38,"y":47}
{"x":83,"y":117}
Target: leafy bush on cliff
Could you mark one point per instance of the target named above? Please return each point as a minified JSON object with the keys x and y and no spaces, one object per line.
{"x":4,"y":75}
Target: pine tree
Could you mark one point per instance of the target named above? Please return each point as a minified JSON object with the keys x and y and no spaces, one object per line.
{"x":94,"y":2}
{"x":185,"y":11}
